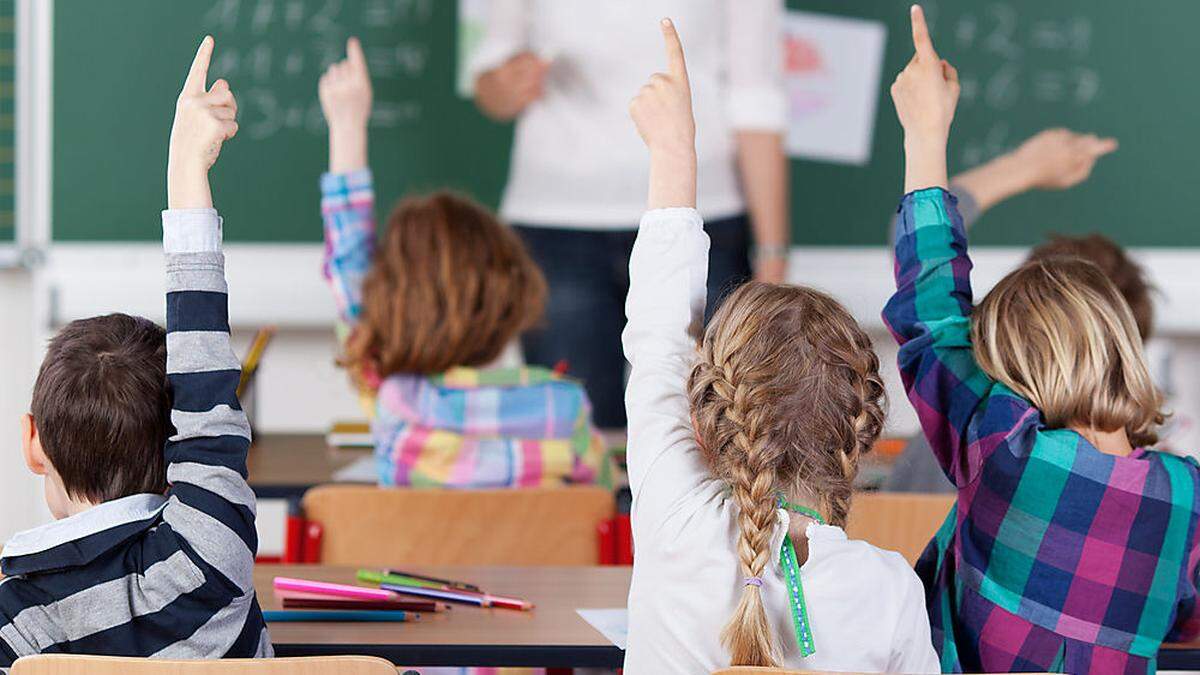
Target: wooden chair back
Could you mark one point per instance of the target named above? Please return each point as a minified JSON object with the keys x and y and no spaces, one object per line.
{"x":898,"y":521}
{"x":373,"y":526}
{"x":69,"y":664}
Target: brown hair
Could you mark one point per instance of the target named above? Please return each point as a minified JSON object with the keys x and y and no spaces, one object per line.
{"x":102,"y":407}
{"x":1123,"y":272}
{"x":449,"y":286}
{"x":1058,"y":332}
{"x":785,"y":397}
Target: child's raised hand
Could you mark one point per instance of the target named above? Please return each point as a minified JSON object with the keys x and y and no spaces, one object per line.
{"x":345,"y":90}
{"x":204,"y":120}
{"x":925,"y":94}
{"x":926,"y":91}
{"x":662,"y":112}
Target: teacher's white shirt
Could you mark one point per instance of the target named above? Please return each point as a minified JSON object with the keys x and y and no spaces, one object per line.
{"x":577,"y":160}
{"x":866,"y":605}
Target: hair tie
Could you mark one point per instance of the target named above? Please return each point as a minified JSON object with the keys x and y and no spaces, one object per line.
{"x":753,"y":581}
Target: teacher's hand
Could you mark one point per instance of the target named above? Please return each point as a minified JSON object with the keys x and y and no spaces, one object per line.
{"x":505,"y":91}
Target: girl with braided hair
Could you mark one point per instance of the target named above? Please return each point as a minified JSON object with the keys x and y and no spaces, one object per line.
{"x":742,"y":455}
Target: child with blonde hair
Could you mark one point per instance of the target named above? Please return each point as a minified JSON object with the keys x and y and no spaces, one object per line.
{"x":428,"y":312}
{"x":742,"y":455}
{"x":1072,"y":547}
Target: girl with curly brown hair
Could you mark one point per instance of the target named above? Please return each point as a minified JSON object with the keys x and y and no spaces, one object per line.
{"x":428,"y":311}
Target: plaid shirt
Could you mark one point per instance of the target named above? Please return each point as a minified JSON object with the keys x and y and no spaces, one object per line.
{"x":1057,"y":556}
{"x":466,"y":428}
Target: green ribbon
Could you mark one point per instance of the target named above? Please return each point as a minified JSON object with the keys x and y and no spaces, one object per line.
{"x":791,"y":577}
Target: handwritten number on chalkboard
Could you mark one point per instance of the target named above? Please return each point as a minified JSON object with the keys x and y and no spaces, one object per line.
{"x":1001,"y":39}
{"x":323,"y":20}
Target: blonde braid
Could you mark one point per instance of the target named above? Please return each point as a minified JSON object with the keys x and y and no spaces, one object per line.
{"x":784,"y":396}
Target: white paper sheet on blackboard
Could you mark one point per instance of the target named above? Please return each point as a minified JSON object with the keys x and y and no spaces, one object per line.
{"x":832,"y":68}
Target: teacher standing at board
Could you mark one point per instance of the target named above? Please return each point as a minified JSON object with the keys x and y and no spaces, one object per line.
{"x":564,"y":70}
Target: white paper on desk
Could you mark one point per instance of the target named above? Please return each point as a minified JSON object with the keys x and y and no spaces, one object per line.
{"x":612,"y":623}
{"x":832,"y":68}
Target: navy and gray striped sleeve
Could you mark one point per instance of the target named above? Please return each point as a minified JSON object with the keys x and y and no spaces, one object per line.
{"x":210,"y":504}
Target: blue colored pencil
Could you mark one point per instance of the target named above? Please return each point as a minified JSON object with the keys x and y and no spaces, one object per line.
{"x":281,"y":615}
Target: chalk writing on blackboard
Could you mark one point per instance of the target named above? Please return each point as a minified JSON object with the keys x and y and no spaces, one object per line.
{"x":268,"y":46}
{"x":1017,"y":61}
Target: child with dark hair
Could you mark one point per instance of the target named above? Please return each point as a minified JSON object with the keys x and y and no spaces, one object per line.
{"x":143,"y":445}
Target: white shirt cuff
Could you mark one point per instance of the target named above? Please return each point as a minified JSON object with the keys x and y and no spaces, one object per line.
{"x":191,"y":231}
{"x":671,"y":219}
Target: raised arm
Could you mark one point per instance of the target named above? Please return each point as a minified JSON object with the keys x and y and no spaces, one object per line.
{"x":347,"y":192}
{"x":930,"y":311}
{"x":665,"y":307}
{"x":209,"y":505}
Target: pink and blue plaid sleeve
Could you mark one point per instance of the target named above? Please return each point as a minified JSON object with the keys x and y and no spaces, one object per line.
{"x":1187,"y":611}
{"x":348,"y":209}
{"x":930,"y":317}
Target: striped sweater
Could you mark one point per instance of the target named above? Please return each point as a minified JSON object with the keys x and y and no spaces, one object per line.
{"x":164,"y":576}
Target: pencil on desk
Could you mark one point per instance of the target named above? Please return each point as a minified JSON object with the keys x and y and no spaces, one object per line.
{"x":373,"y":577}
{"x":334,"y":603}
{"x":454,"y":585}
{"x":330,"y":589}
{"x":253,"y":356}
{"x":478,"y":599}
{"x":367,"y":615}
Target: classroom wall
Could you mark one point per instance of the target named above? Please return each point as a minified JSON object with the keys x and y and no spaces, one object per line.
{"x":21,"y":504}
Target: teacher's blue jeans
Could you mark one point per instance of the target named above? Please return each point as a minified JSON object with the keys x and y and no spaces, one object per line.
{"x":588,"y":275}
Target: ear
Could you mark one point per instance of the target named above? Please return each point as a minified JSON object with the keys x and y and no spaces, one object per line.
{"x":31,"y":447}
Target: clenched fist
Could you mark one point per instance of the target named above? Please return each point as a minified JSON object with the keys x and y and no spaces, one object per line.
{"x":204,"y":120}
{"x":662,"y":112}
{"x":506,"y":90}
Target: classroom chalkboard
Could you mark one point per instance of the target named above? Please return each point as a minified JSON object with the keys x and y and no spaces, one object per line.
{"x":1117,"y":68}
{"x":118,"y":66}
{"x":1114,"y":68}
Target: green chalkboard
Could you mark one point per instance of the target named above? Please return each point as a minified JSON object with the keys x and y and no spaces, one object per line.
{"x":1118,"y":68}
{"x":118,"y":65}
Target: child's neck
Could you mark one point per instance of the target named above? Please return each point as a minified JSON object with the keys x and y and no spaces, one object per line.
{"x":1108,"y":442}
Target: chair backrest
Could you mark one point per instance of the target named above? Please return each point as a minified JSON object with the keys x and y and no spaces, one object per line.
{"x":69,"y":664}
{"x":898,"y":521}
{"x":373,"y":526}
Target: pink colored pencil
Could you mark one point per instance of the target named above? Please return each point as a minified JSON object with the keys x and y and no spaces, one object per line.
{"x":327,"y":589}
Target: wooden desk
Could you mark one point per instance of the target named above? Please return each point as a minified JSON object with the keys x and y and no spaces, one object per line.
{"x":551,"y":635}
{"x":284,"y":466}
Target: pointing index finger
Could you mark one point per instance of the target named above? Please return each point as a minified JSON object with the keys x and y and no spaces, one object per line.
{"x":920,"y":33}
{"x":676,"y":64}
{"x":354,"y":52}
{"x":198,"y":74}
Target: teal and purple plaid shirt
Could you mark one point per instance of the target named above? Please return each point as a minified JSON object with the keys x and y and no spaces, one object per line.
{"x":1057,"y":556}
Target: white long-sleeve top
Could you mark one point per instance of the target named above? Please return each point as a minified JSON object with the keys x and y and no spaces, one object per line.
{"x":577,"y":161}
{"x":866,"y":605}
